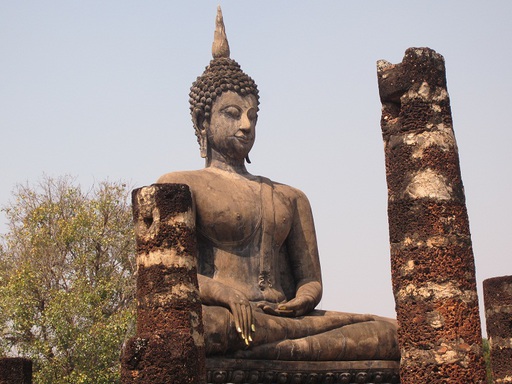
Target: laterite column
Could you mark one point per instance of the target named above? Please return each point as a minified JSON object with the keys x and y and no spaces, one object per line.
{"x":498,"y":315}
{"x":169,"y":343}
{"x":432,"y":263}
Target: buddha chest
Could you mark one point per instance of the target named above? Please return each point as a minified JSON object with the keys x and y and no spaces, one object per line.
{"x":231,"y":213}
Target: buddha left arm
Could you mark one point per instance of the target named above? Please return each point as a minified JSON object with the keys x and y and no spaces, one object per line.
{"x":303,"y":252}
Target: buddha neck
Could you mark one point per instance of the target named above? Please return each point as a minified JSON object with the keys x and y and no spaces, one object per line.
{"x":228,"y":165}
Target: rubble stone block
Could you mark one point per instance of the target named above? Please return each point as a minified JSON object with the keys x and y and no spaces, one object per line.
{"x":15,"y":370}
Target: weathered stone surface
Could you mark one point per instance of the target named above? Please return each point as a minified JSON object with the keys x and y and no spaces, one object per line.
{"x":15,"y":370}
{"x":169,"y":344}
{"x":432,"y":261}
{"x":498,"y":315}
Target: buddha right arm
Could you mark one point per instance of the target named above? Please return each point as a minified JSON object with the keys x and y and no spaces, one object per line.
{"x":215,"y":293}
{"x":303,"y":252}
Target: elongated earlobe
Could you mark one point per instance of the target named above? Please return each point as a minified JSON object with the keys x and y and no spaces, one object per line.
{"x":203,"y":144}
{"x":201,"y":125}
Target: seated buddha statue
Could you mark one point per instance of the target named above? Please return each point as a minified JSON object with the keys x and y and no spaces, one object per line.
{"x":258,"y":265}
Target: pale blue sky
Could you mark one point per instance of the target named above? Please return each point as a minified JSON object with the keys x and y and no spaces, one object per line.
{"x":99,"y":89}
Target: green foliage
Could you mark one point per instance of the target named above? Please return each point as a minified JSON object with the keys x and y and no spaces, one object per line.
{"x":66,"y":280}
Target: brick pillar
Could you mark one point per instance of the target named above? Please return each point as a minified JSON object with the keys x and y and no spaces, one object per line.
{"x":432,"y":263}
{"x":498,"y":315}
{"x":169,"y":343}
{"x":15,"y":370}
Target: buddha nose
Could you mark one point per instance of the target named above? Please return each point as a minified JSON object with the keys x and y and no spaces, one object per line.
{"x":245,"y":122}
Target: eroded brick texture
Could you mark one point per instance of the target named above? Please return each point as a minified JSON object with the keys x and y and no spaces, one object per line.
{"x":169,"y":343}
{"x":498,"y":316}
{"x":15,"y":370}
{"x":432,"y":262}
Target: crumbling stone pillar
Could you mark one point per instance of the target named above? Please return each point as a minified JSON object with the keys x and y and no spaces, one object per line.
{"x":15,"y":370}
{"x":498,"y":316}
{"x":432,"y":263}
{"x":169,"y":343}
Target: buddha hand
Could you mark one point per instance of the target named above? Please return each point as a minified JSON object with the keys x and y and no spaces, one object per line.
{"x":242,"y":313}
{"x":296,"y":307}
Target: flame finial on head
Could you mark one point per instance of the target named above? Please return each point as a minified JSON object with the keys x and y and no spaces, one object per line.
{"x":220,"y":46}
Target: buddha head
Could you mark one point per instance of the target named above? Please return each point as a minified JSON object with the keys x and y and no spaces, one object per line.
{"x":223,"y":75}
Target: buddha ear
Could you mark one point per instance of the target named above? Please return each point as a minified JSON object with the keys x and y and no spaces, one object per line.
{"x":199,"y":121}
{"x":201,"y":125}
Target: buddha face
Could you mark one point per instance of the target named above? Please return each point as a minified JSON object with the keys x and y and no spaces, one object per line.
{"x":231,"y":130}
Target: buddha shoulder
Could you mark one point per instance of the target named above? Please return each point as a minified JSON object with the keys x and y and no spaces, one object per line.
{"x":291,"y":193}
{"x":204,"y":179}
{"x":193,"y":179}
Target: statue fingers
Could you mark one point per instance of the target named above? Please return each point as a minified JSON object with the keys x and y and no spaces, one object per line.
{"x":296,"y":307}
{"x":250,"y":323}
{"x":285,"y":312}
{"x":237,"y":317}
{"x":293,"y":304}
{"x":245,"y":325}
{"x":268,"y":309}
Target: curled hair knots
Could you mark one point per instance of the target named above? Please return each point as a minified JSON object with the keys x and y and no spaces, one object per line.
{"x":222,"y":75}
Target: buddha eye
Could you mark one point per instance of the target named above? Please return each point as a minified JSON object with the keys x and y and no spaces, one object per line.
{"x":252,"y":114}
{"x":232,"y":112}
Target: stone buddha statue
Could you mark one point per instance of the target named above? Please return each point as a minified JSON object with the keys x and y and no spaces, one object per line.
{"x":258,"y":265}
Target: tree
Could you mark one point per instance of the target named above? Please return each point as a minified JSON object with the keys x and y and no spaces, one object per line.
{"x":66,"y":279}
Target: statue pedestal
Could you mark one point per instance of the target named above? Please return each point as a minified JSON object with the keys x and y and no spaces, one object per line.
{"x":225,"y":370}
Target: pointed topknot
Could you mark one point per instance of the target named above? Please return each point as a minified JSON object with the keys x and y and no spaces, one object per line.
{"x":220,"y":46}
